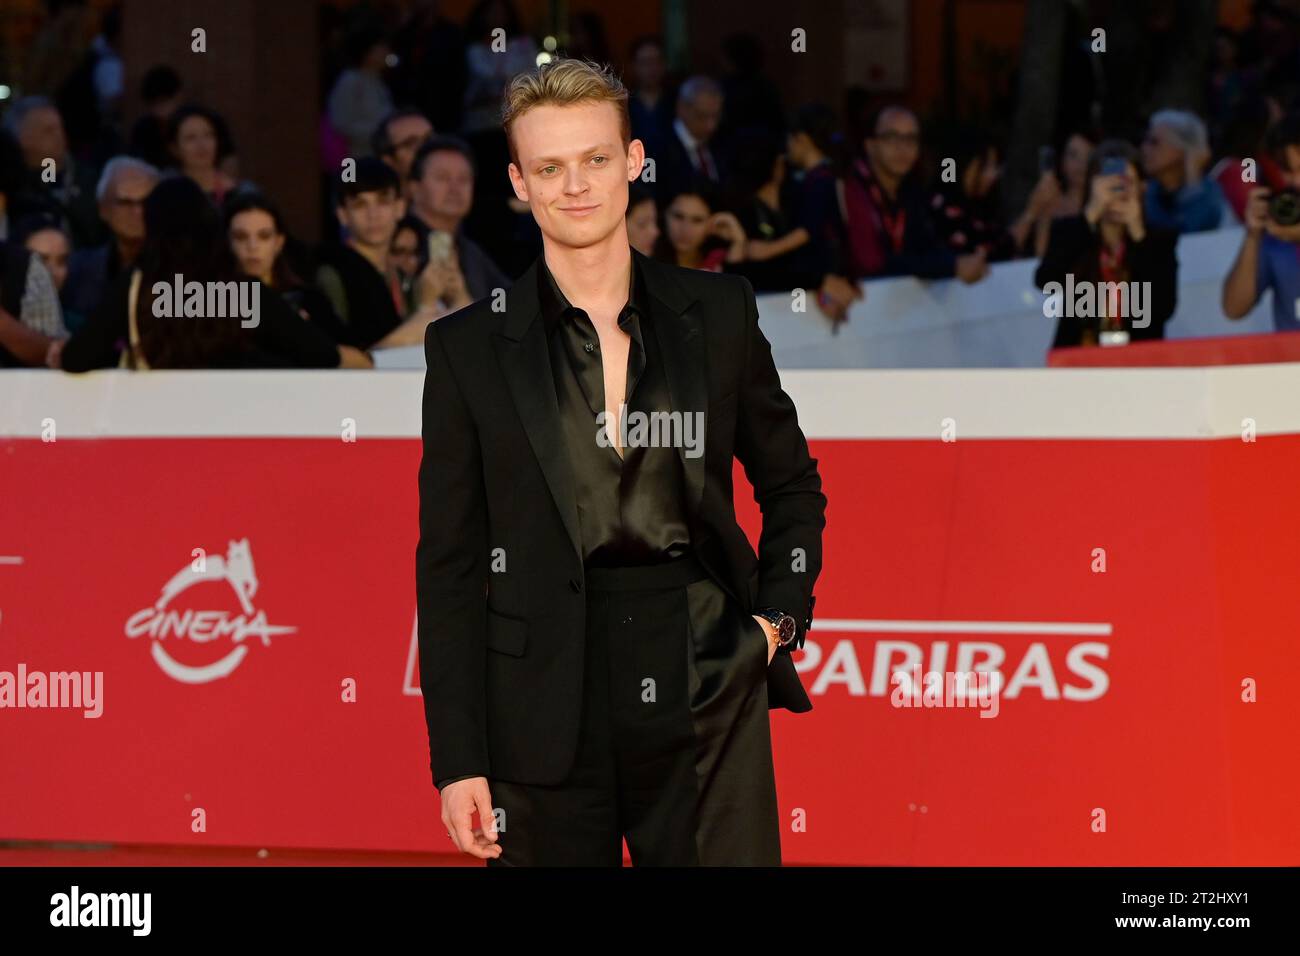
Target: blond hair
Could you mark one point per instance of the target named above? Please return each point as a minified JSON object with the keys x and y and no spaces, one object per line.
{"x":563,"y":82}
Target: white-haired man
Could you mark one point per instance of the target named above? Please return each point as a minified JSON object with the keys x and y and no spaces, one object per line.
{"x":123,"y":187}
{"x":1179,"y":196}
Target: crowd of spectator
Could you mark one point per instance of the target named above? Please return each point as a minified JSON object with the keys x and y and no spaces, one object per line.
{"x":93,"y":213}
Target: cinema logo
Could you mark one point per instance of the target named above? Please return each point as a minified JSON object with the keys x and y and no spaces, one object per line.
{"x":213,"y":300}
{"x":166,"y":622}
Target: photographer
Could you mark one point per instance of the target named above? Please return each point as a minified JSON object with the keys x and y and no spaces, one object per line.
{"x":1110,"y":242}
{"x":1268,"y":255}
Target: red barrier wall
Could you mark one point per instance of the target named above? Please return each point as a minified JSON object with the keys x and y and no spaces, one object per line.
{"x":1139,"y":715}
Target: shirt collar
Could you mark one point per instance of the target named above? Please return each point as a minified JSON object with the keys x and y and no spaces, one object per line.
{"x":679,"y":127}
{"x":555,"y":305}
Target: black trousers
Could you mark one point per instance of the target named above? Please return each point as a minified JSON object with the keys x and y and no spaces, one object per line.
{"x":674,"y":751}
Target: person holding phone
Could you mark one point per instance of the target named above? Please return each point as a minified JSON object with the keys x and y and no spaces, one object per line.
{"x":1061,"y":190}
{"x":441,"y":186}
{"x":1110,"y":242}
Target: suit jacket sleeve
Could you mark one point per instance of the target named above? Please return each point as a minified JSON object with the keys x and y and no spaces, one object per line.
{"x":451,"y":575}
{"x":774,"y":453}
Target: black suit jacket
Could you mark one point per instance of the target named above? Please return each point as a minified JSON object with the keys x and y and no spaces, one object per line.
{"x":499,"y":575}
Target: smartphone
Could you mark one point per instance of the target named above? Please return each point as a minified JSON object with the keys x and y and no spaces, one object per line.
{"x":439,"y":246}
{"x":1046,"y":159}
{"x":1116,"y":166}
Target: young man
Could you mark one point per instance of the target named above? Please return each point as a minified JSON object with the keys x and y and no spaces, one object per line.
{"x":356,"y":275}
{"x":1269,"y":257}
{"x":599,"y":644}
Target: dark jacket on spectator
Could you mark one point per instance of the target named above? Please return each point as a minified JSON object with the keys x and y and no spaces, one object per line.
{"x":816,"y":207}
{"x":1074,"y":248}
{"x":368,"y":310}
{"x":89,"y":273}
{"x":892,"y":237}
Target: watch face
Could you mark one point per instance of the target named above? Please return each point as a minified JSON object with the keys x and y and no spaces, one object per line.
{"x":785,"y":630}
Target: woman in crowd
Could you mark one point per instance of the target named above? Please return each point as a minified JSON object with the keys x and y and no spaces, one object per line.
{"x":642,"y":219}
{"x":44,"y":235}
{"x":408,"y":254}
{"x":1059,"y":192}
{"x":773,"y":261}
{"x":256,"y":233}
{"x":697,"y":234}
{"x":199,"y":142}
{"x":184,"y":236}
{"x":1108,"y":243}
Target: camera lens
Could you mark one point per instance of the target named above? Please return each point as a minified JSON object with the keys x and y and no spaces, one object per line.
{"x":1284,"y":208}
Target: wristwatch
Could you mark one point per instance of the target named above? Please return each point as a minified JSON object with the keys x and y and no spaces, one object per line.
{"x":785,"y":624}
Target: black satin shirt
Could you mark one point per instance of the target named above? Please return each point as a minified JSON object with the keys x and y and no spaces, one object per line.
{"x":631,"y":509}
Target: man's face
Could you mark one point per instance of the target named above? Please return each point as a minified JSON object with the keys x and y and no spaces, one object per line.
{"x":573,"y":170}
{"x":371,"y":218}
{"x":896,"y":145}
{"x":446,"y":189}
{"x":701,"y":115}
{"x":1160,"y":151}
{"x":123,"y":205}
{"x":406,"y":134}
{"x":41,"y":137}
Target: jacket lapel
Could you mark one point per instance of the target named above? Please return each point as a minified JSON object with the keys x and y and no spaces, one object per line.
{"x":525,"y":361}
{"x":681,"y":342}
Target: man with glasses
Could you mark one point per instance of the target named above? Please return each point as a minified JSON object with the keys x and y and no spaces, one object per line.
{"x":890,"y":229}
{"x":123,"y":187}
{"x":397,"y":139}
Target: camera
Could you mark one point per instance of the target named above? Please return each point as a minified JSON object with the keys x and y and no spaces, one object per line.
{"x":1284,"y":207}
